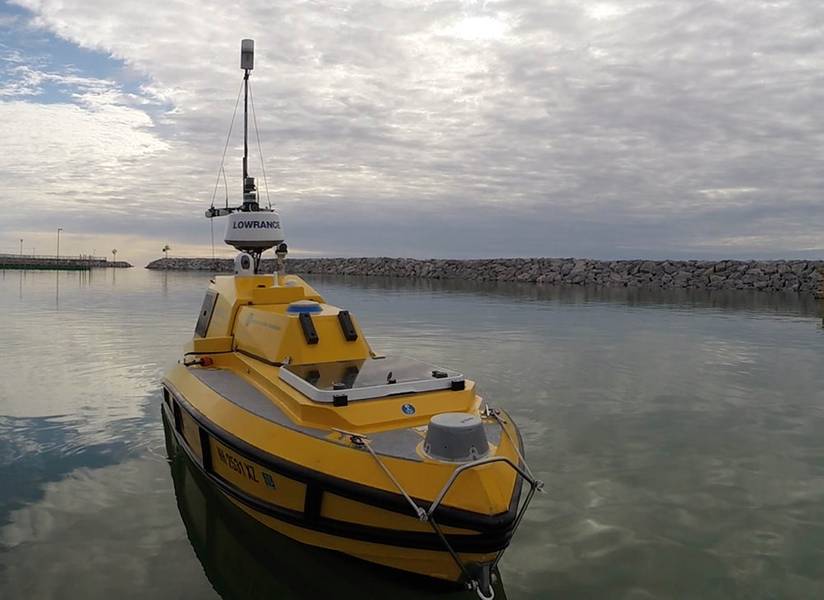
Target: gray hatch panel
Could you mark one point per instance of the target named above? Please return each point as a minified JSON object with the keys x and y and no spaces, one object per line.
{"x":243,"y":394}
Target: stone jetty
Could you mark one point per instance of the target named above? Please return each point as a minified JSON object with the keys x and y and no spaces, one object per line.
{"x":53,"y":263}
{"x":800,"y":276}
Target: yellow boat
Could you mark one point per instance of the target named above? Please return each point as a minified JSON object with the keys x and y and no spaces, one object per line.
{"x":245,"y":561}
{"x":282,"y":404}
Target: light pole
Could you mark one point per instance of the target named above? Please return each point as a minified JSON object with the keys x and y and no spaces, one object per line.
{"x":21,"y":246}
{"x":59,"y":229}
{"x":114,"y":255}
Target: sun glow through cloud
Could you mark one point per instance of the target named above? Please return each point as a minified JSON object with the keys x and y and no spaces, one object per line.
{"x":478,"y":29}
{"x":602,"y":11}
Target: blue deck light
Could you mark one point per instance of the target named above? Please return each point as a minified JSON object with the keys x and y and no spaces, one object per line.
{"x":304,"y":306}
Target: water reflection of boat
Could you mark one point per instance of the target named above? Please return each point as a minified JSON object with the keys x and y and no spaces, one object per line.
{"x":243,"y":560}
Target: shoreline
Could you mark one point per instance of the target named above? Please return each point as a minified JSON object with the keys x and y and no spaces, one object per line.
{"x":797,"y":276}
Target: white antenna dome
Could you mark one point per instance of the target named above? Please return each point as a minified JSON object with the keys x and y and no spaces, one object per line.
{"x":254,"y":231}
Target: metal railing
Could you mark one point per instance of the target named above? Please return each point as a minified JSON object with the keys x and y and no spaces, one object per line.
{"x":480,"y":580}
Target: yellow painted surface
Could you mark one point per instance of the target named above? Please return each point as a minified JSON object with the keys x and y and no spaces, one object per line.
{"x":261,"y":332}
{"x":485,"y":490}
{"x":434,"y":563}
{"x":352,"y":511}
{"x":212,"y":344}
{"x":276,"y":295}
{"x":234,"y":292}
{"x":254,"y":314}
{"x":253,"y":479}
{"x":270,"y":332}
{"x":250,"y":315}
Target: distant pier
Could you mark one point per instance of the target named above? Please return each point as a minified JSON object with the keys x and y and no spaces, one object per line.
{"x":25,"y":262}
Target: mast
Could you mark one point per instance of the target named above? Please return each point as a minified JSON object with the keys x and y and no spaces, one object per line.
{"x":245,"y":125}
{"x":247,"y":63}
{"x":249,"y":228}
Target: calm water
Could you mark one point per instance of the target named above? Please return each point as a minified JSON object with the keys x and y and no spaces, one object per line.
{"x":680,"y":437}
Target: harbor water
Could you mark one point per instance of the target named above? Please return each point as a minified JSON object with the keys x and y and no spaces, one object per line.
{"x":679,"y":434}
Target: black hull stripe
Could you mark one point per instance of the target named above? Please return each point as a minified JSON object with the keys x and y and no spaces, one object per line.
{"x":446,"y":515}
{"x":476,"y":543}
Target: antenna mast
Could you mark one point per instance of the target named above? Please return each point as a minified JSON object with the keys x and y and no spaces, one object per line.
{"x":247,"y":63}
{"x":245,"y":124}
{"x":249,"y":228}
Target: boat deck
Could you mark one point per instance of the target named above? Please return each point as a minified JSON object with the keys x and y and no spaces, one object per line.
{"x":396,"y":443}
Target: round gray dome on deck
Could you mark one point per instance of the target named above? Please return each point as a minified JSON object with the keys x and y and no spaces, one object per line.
{"x":456,"y":437}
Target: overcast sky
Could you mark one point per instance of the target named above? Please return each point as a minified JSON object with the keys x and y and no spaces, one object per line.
{"x":677,"y":128}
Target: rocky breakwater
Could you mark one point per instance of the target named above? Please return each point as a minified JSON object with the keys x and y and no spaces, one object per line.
{"x":10,"y":261}
{"x":801,"y":276}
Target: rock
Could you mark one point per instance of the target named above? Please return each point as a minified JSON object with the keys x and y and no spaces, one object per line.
{"x":668,"y":267}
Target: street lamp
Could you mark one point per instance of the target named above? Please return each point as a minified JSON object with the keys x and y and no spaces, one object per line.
{"x":114,"y":254}
{"x":21,"y":246}
{"x":59,"y":229}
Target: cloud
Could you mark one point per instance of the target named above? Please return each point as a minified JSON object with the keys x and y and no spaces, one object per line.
{"x":609,"y":130}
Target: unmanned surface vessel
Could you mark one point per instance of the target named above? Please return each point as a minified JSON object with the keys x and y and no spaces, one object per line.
{"x":244,"y":561}
{"x":285,"y":408}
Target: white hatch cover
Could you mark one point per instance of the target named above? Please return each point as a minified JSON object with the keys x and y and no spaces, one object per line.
{"x":336,"y":382}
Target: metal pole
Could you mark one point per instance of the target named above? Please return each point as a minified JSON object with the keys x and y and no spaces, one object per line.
{"x":59,"y":229}
{"x":245,"y":125}
{"x":21,"y":246}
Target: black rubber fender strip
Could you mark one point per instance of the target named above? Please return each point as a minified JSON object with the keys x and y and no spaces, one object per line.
{"x":308,"y":326}
{"x":347,"y":326}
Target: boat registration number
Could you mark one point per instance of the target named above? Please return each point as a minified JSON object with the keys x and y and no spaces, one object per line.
{"x":239,"y":467}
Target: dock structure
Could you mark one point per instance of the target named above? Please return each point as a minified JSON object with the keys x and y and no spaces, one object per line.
{"x":57,"y":263}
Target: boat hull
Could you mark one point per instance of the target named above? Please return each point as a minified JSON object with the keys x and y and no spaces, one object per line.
{"x":244,"y":560}
{"x":317,"y":509}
